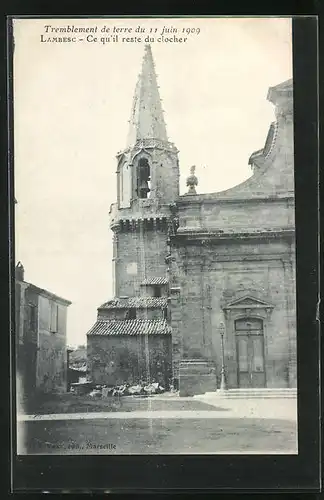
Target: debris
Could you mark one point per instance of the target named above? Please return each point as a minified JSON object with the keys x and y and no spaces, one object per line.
{"x":140,"y":389}
{"x":154,"y":388}
{"x":136,"y":389}
{"x":95,"y":393}
{"x":121,"y":390}
{"x":105,"y":391}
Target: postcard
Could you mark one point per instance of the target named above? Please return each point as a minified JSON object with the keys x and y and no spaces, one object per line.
{"x":155,"y":278}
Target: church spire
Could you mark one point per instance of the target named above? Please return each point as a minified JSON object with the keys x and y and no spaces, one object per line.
{"x":147,"y":120}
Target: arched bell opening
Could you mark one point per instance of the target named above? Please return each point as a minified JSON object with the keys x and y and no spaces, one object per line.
{"x":143,"y":178}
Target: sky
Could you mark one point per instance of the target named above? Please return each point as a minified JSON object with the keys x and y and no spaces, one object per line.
{"x":72,"y":103}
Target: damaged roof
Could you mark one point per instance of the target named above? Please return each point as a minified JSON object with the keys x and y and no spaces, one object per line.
{"x":135,"y":302}
{"x":130,"y":327}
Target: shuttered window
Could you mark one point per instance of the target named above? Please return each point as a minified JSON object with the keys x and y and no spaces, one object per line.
{"x":54,"y":317}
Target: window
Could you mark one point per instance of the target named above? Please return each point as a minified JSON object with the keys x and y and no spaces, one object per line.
{"x":143,"y":178}
{"x":122,"y":185}
{"x":157,"y":291}
{"x":54,"y":317}
{"x":125,"y":185}
{"x":32,"y":317}
{"x":131,"y":314}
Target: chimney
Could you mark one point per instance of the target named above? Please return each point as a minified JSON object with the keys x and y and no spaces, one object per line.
{"x":20,"y":272}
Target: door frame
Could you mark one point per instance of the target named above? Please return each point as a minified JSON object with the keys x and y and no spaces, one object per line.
{"x":249,"y":336}
{"x":241,"y":305}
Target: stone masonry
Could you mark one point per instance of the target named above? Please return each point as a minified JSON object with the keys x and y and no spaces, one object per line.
{"x":190,"y":268}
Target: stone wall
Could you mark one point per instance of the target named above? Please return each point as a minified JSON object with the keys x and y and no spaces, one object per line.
{"x":235,"y":215}
{"x":210,"y":275}
{"x":120,"y":314}
{"x":196,"y":377}
{"x":165,"y":178}
{"x":114,"y":360}
{"x":140,"y":253}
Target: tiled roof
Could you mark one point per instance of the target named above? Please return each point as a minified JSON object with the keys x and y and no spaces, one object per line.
{"x":136,"y":302}
{"x":155,"y":281}
{"x":130,"y":327}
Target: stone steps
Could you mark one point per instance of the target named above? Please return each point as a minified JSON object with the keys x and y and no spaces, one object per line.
{"x":254,"y":393}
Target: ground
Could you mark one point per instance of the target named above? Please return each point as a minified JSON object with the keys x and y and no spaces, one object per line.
{"x":159,"y":425}
{"x":161,"y":436}
{"x":72,"y":403}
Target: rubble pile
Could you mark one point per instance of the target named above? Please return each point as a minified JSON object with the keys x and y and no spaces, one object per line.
{"x":141,"y":389}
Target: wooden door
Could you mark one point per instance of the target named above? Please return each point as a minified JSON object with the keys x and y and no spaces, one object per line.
{"x":250,"y":353}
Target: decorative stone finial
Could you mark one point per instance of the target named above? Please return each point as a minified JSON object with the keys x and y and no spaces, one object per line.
{"x":192,"y":181}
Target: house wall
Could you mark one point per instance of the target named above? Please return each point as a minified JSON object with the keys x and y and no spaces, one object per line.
{"x":114,"y":360}
{"x":52,"y":354}
{"x":26,"y":309}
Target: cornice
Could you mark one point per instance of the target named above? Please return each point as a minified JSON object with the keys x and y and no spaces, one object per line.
{"x":147,"y":144}
{"x":213,"y":198}
{"x":220,"y":236}
{"x":134,"y":223}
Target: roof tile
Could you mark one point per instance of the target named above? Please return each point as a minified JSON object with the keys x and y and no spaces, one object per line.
{"x":155,"y":281}
{"x":130,"y":327}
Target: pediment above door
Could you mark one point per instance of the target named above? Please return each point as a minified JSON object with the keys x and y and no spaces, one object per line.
{"x":248,"y":303}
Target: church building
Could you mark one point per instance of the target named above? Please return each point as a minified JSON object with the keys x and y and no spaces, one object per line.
{"x":204,"y":284}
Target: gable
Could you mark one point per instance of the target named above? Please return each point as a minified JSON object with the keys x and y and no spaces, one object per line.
{"x":248,"y":301}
